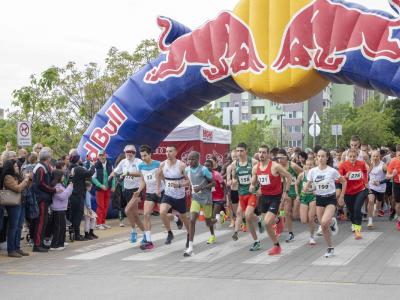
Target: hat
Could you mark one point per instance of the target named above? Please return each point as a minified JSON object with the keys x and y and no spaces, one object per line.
{"x":101,"y":152}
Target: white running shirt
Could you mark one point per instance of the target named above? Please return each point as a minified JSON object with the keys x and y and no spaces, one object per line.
{"x":324,"y":180}
{"x":130,"y":166}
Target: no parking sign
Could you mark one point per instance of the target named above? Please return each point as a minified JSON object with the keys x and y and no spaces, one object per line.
{"x":24,"y":133}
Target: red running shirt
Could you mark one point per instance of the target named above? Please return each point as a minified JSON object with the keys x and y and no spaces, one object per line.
{"x":356,"y":176}
{"x":270,"y":185}
{"x":217,"y":191}
{"x":394,"y":165}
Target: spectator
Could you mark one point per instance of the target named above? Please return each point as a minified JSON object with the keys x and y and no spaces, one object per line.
{"x":78,"y":176}
{"x":43,"y":193}
{"x":22,"y":153}
{"x":37,"y":148}
{"x":11,"y":180}
{"x":90,"y":215}
{"x":59,"y":207}
{"x":104,"y":187}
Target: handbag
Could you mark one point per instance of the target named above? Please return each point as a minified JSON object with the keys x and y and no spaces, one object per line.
{"x":10,"y":198}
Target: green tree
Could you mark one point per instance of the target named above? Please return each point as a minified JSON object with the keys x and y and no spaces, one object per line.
{"x":62,"y":101}
{"x":253,"y":134}
{"x":395,"y":106}
{"x":212,"y":116}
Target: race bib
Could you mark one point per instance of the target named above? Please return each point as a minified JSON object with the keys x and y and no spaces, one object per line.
{"x":322,"y":186}
{"x":355,"y":175}
{"x":264,"y":179}
{"x":244,"y":179}
{"x":149,"y":178}
{"x":169,"y":184}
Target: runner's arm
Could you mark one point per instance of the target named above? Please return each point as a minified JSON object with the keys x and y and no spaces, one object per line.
{"x":253,"y":181}
{"x":296,"y":168}
{"x":296,"y":186}
{"x":285,"y":174}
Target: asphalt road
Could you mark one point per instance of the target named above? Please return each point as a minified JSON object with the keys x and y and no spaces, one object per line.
{"x":111,"y":267}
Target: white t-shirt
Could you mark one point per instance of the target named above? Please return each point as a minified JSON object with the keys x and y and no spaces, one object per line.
{"x":130,"y":166}
{"x":324,"y":180}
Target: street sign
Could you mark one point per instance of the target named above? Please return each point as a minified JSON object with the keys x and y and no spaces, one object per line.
{"x":337,"y":129}
{"x":230,"y":116}
{"x":314,"y":119}
{"x":314,"y":132}
{"x":24,"y":134}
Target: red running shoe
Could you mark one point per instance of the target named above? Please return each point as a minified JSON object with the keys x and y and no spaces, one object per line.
{"x":398,"y":225}
{"x":275,"y":250}
{"x":381,"y":213}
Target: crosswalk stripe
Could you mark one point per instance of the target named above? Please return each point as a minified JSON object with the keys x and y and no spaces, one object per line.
{"x":347,"y":250}
{"x":220,"y":250}
{"x":168,"y":249}
{"x":95,"y":254}
{"x":265,"y":259}
{"x":394,"y":261}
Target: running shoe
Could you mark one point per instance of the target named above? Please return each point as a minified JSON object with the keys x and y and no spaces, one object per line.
{"x":290,"y":238}
{"x":398,"y":225}
{"x":329,"y":253}
{"x":334,"y":227}
{"x":169,"y":239}
{"x":121,"y":224}
{"x":352,"y":228}
{"x":256,"y":246}
{"x":101,"y":227}
{"x":232,"y":225}
{"x":381,"y":213}
{"x":143,"y":241}
{"x":244,"y":227}
{"x":311,"y":241}
{"x":211,"y":240}
{"x":357,"y":234}
{"x":319,"y":231}
{"x":147,"y":246}
{"x":275,"y":250}
{"x":133,"y":237}
{"x":260,"y":225}
{"x":188,"y":252}
{"x":235,"y":236}
{"x":179,"y":224}
{"x":370,"y":224}
{"x":106,"y":226}
{"x":392,"y":215}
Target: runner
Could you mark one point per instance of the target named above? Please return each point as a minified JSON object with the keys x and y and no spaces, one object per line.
{"x":324,"y":176}
{"x":234,"y":194}
{"x":307,"y":200}
{"x":149,"y":170}
{"x":291,"y":204}
{"x":201,"y":183}
{"x":393,"y":170}
{"x":269,"y":175}
{"x":248,"y":201}
{"x":218,"y":199}
{"x":356,"y":174}
{"x":355,"y":144}
{"x":173,"y":173}
{"x":128,"y":169}
{"x":377,"y":186}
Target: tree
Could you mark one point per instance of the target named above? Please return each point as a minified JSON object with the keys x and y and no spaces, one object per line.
{"x":395,"y":106}
{"x":62,"y":101}
{"x":253,"y":134}
{"x":212,"y":116}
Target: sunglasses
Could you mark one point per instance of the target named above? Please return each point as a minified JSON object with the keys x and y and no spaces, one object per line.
{"x":130,"y":151}
{"x":280,"y":157}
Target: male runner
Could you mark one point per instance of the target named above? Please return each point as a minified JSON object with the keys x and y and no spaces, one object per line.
{"x":201,"y":182}
{"x":269,"y":176}
{"x":393,"y":172}
{"x":149,"y":170}
{"x":248,"y":201}
{"x":172,"y":171}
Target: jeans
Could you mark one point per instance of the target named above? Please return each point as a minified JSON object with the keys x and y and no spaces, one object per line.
{"x":20,"y":226}
{"x":13,"y":237}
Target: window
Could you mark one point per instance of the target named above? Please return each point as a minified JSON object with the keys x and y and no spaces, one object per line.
{"x":294,"y":143}
{"x":245,"y":117}
{"x":223,"y":104}
{"x":245,"y":102}
{"x":236,"y":104}
{"x":257,"y":110}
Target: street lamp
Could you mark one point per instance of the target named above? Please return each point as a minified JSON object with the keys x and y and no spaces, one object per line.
{"x":281,"y":117}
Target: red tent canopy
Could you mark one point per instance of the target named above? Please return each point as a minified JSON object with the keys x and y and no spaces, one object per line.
{"x":194,"y":134}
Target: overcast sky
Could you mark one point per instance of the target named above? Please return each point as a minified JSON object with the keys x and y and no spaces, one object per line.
{"x":35,"y":35}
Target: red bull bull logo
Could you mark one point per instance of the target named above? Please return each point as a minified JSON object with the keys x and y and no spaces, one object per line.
{"x":220,"y":55}
{"x":308,"y":44}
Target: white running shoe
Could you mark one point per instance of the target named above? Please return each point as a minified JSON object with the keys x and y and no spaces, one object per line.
{"x":188,"y":252}
{"x":319,"y":231}
{"x":352,"y":228}
{"x":311,"y":242}
{"x":329,"y":253}
{"x":121,"y":224}
{"x":66,"y":244}
{"x":106,"y":226}
{"x":101,"y":227}
{"x":334,"y":227}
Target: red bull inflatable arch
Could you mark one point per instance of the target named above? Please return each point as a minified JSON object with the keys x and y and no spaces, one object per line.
{"x":283,"y":50}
